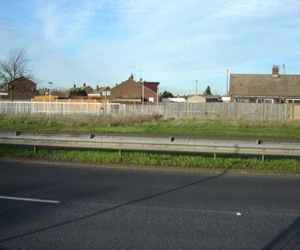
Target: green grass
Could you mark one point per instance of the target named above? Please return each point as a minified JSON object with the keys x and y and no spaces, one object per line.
{"x":153,"y":125}
{"x":186,"y":160}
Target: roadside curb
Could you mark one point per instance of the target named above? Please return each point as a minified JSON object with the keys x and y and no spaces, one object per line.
{"x":158,"y":168}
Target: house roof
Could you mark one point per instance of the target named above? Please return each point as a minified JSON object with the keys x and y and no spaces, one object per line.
{"x":206,"y":96}
{"x":267,"y":85}
{"x":100,"y":90}
{"x":84,"y":87}
{"x":24,"y":89}
{"x":131,"y":80}
{"x":3,"y":86}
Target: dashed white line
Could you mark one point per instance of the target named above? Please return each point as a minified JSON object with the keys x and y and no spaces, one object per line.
{"x":27,"y":199}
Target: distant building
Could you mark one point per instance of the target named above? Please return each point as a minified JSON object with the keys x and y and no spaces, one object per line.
{"x":100,"y":93}
{"x":24,"y":90}
{"x":173,"y":99}
{"x":265,"y":88}
{"x":203,"y":98}
{"x":84,"y":87}
{"x":226,"y":99}
{"x":131,"y":91}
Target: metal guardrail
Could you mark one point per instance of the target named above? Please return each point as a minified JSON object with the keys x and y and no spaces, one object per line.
{"x":139,"y":143}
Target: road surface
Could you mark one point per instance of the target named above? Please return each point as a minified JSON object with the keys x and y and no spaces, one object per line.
{"x":57,"y":206}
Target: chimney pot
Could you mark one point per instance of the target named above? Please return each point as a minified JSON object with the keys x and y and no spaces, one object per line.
{"x":275,"y":70}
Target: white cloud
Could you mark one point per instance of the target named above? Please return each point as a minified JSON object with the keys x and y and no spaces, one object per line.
{"x":63,"y":23}
{"x":173,"y":42}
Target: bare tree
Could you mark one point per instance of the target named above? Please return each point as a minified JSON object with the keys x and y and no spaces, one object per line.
{"x":14,"y":66}
{"x":59,"y":91}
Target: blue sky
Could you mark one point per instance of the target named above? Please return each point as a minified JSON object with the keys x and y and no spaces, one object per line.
{"x":174,"y":42}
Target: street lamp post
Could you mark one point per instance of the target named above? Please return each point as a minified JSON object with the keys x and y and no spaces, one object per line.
{"x":50,"y":83}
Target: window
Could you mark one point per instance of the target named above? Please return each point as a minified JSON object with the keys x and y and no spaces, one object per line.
{"x":268,"y":101}
{"x":151,"y":99}
{"x":107,"y":93}
{"x":292,"y":100}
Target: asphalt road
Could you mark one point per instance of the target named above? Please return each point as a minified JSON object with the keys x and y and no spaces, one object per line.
{"x":46,"y":206}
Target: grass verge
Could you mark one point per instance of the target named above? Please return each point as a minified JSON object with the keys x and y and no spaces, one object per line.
{"x":153,"y":125}
{"x":187,"y":160}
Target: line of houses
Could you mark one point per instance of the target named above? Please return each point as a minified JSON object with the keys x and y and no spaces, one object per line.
{"x":245,"y":88}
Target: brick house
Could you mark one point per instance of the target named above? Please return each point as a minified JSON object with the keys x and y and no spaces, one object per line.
{"x":100,"y":93}
{"x":131,"y":91}
{"x":84,"y":87}
{"x":24,"y":90}
{"x":265,"y":88}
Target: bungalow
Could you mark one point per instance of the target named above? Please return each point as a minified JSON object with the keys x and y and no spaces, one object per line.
{"x":131,"y":91}
{"x":203,"y":98}
{"x":267,"y":88}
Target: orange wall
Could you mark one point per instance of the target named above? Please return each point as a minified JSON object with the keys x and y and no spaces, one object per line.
{"x":45,"y":98}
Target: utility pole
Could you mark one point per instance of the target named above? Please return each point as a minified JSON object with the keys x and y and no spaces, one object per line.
{"x":50,"y":83}
{"x":227,"y":84}
{"x":284,"y":68}
{"x":196,"y":87}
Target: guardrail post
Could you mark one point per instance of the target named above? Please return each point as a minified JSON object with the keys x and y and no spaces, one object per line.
{"x":120,"y":152}
{"x":35,"y":149}
{"x":263,"y":158}
{"x":215,"y":156}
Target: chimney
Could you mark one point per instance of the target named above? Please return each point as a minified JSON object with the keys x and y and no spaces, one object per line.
{"x":141,"y":79}
{"x":97,"y":87}
{"x":84,"y":84}
{"x":275,"y":70}
{"x":74,"y":86}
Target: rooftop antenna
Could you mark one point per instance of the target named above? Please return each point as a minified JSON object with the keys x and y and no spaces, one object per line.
{"x":140,"y":74}
{"x":131,"y":67}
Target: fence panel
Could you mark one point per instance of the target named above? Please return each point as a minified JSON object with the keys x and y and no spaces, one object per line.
{"x":247,"y":111}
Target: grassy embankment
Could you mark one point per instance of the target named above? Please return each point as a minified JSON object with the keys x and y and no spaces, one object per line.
{"x":151,"y":125}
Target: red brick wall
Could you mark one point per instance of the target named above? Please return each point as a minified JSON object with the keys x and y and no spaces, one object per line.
{"x":25,"y":90}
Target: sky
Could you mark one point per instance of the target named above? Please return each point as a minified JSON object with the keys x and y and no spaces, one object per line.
{"x":186,"y":45}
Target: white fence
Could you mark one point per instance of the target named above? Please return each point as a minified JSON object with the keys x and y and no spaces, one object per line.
{"x":247,"y":111}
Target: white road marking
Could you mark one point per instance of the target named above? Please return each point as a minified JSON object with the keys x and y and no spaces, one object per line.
{"x":27,"y":199}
